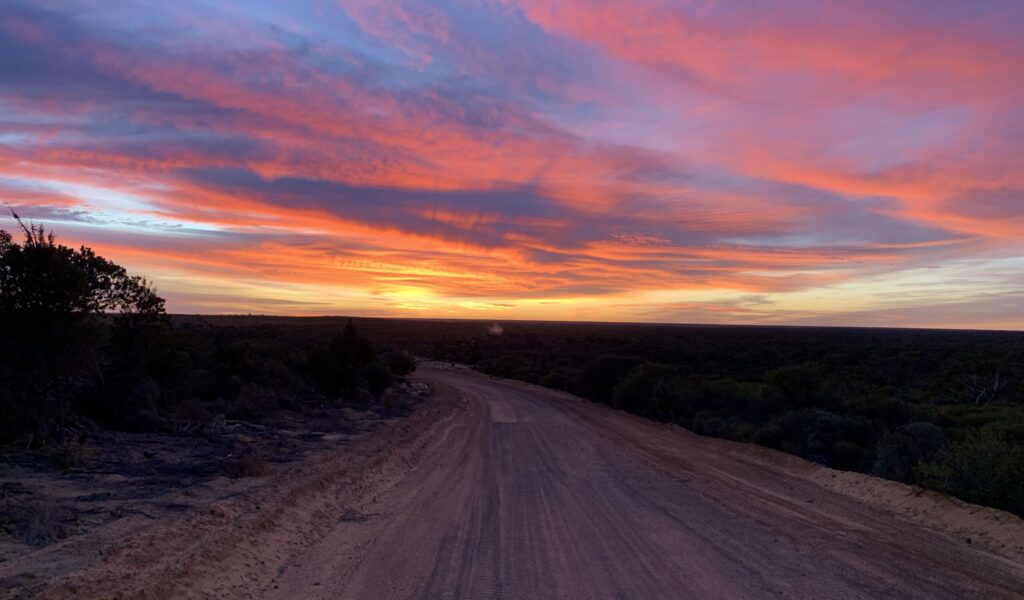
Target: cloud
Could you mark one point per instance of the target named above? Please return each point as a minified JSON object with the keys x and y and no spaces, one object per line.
{"x":582,"y":159}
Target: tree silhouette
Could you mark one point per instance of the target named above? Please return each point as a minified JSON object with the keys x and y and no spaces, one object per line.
{"x":42,"y":276}
{"x":52,"y":302}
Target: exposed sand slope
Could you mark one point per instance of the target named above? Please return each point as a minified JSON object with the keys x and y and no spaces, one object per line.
{"x":234,"y":546}
{"x":536,"y":494}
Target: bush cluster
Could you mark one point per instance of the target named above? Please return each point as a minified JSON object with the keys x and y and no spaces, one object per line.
{"x":81,"y":339}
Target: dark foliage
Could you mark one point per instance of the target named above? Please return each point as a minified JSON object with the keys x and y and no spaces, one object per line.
{"x":52,"y":298}
{"x":80,"y":339}
{"x":652,"y":390}
{"x":345,"y":364}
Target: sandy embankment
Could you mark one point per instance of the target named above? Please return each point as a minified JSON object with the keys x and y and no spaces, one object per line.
{"x":237,"y":535}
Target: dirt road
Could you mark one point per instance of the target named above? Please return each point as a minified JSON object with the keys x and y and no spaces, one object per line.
{"x":534,"y":494}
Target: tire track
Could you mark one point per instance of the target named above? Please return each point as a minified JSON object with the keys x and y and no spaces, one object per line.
{"x":535,"y":495}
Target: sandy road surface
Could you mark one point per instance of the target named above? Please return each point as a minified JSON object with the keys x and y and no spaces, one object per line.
{"x":533,"y":494}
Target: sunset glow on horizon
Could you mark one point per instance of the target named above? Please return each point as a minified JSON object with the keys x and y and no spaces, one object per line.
{"x":810,"y":162}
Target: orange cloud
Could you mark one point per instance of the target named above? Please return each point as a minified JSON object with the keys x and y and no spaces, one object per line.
{"x":582,"y":159}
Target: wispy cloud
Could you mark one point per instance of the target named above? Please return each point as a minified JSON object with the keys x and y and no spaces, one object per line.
{"x":588,"y":159}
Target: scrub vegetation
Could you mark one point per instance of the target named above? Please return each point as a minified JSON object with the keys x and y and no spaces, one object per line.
{"x":83,"y":344}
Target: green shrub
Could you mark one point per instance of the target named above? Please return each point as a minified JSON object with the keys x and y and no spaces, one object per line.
{"x":985,"y":468}
{"x":897,"y":452}
{"x":822,"y":436}
{"x":799,"y":386}
{"x":651,"y":390}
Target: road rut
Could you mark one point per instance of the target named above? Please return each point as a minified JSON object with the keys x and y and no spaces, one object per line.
{"x":533,"y":494}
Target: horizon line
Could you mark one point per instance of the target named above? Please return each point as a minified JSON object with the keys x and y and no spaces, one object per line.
{"x":590,"y":322}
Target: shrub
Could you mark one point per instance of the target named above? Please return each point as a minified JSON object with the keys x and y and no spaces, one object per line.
{"x":892,"y":412}
{"x":599,"y":377}
{"x":252,"y":403}
{"x":897,"y":452}
{"x":848,"y":456}
{"x":124,"y":401}
{"x":651,"y":390}
{"x":800,"y":386}
{"x":985,"y":468}
{"x":378,"y":377}
{"x":398,"y":362}
{"x":742,"y":432}
{"x":741,"y":400}
{"x":560,"y":378}
{"x":822,"y":436}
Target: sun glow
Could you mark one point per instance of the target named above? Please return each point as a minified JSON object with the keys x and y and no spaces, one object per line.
{"x":630,"y":161}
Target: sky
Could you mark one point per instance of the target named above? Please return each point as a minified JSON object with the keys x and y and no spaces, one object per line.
{"x":811,"y":162}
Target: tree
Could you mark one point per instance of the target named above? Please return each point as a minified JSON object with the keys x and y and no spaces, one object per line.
{"x":51,"y":300}
{"x":338,"y":366}
{"x":41,"y":277}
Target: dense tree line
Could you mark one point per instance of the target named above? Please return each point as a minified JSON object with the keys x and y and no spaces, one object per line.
{"x":942,"y":409}
{"x":83,"y":344}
